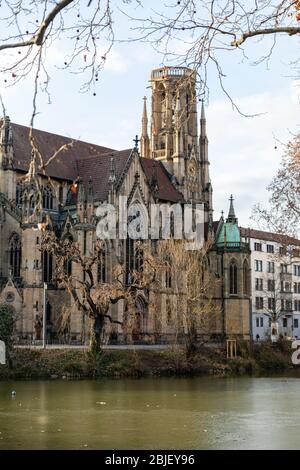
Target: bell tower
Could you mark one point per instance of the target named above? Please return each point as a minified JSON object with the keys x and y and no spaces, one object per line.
{"x":174,"y":136}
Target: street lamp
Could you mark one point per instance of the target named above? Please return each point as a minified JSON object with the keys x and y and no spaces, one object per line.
{"x":44,"y":316}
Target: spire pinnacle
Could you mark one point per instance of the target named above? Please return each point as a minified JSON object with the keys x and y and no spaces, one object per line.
{"x":145,"y":107}
{"x":202,"y":110}
{"x":145,"y":119}
{"x":145,"y":142}
{"x":112,"y":171}
{"x":231,"y":214}
{"x":90,"y":194}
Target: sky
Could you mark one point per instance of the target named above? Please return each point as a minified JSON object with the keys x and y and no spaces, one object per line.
{"x":242,"y":153}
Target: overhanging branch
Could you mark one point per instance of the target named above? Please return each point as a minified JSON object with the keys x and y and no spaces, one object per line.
{"x":38,"y":38}
{"x":261,"y":32}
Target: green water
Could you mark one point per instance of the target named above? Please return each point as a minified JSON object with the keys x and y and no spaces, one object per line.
{"x":163,"y":413}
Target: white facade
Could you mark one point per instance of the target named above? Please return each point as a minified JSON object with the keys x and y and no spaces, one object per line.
{"x":275,"y":284}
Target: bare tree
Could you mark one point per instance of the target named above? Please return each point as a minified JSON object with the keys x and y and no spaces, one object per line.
{"x":273,"y":294}
{"x":93,"y":297}
{"x":194,"y":286}
{"x":283,"y":213}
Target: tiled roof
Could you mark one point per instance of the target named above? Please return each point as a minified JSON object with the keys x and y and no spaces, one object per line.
{"x":155,"y":170}
{"x":64,"y":165}
{"x":98,"y":168}
{"x":86,"y":160}
{"x":269,"y":236}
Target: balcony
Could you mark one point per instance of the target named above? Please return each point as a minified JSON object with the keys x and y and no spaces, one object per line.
{"x":170,"y":72}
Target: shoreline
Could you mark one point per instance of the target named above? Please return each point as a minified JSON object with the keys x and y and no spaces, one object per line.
{"x":81,"y":364}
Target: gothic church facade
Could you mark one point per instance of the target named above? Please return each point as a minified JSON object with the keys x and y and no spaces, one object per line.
{"x":171,"y":166}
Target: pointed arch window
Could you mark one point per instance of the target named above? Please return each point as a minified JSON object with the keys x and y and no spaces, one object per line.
{"x":168,"y":274}
{"x":47,"y":263}
{"x":19,"y":191}
{"x":246,"y":280}
{"x":129,"y":259}
{"x":32,"y":203}
{"x":134,"y":258}
{"x":15,"y":255}
{"x":68,"y":262}
{"x":139,"y":259}
{"x":47,"y":197}
{"x":102,"y":266}
{"x":233,"y":278}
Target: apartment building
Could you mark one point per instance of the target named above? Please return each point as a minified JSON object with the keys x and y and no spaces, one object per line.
{"x":275,"y":283}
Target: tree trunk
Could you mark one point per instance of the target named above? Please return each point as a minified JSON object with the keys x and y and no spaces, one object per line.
{"x":191,"y":342}
{"x":96,"y":334}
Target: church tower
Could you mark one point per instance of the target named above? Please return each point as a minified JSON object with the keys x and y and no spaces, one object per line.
{"x":174,"y":133}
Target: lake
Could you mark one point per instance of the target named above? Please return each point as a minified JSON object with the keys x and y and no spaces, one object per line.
{"x":160,"y":413}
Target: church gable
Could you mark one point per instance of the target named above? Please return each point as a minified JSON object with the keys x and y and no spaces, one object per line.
{"x":11,"y":295}
{"x":134,"y":184}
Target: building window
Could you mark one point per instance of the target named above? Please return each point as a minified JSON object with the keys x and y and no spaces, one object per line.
{"x":257,"y":322}
{"x":296,"y":323}
{"x":61,"y":195}
{"x":36,"y":264}
{"x":297,"y":270}
{"x":270,"y":248}
{"x":233,"y":278}
{"x":297,"y":305}
{"x":258,"y":284}
{"x":297,"y":287}
{"x":289,"y":305}
{"x":19,"y":194}
{"x":259,"y":303}
{"x":47,"y":197}
{"x":271,"y":267}
{"x":284,"y":322}
{"x":47,"y":263}
{"x":257,"y":246}
{"x":168,"y":274}
{"x":84,"y":242}
{"x":246,"y":278}
{"x":261,"y":321}
{"x":271,"y":304}
{"x":139,"y":259}
{"x":168,"y":311}
{"x":285,"y":286}
{"x":258,"y":265}
{"x":15,"y":253}
{"x":282,"y":250}
{"x":68,"y":240}
{"x":101,"y":270}
{"x":284,"y":268}
{"x":129,"y":260}
{"x":271,"y":285}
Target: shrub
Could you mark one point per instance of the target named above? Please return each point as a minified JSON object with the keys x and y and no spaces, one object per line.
{"x":7,"y":328}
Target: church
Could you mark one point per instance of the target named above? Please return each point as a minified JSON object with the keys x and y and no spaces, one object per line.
{"x":170,"y":166}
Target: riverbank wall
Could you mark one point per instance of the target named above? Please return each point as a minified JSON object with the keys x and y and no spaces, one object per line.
{"x":74,"y":363}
